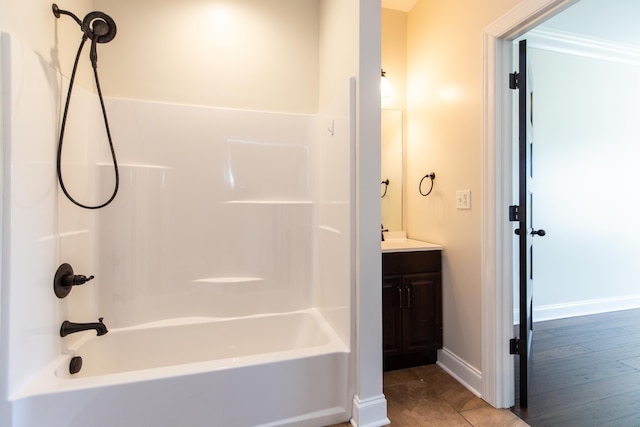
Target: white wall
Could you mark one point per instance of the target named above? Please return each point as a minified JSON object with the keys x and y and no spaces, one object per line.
{"x":585,"y":151}
{"x":213,"y":218}
{"x":36,"y":28}
{"x":43,"y":230}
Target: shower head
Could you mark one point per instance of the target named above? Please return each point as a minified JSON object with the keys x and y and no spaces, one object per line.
{"x":99,"y":27}
{"x":96,"y":26}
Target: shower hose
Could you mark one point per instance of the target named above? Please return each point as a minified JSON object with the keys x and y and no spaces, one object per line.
{"x":106,"y":125}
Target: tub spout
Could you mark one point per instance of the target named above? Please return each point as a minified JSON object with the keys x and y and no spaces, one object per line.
{"x":69,"y":327}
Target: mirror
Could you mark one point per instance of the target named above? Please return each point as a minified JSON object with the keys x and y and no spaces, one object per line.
{"x":391,"y":169}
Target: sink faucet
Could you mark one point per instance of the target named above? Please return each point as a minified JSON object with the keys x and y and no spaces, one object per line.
{"x":382,"y":230}
{"x":70,"y":328}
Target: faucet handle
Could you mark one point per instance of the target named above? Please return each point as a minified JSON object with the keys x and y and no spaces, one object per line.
{"x":64,"y":280}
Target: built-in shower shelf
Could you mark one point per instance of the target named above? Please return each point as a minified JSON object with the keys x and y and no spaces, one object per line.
{"x":270,"y":202}
{"x":230,"y":280}
{"x":329,"y":229}
{"x":135,"y":165}
{"x":230,"y":284}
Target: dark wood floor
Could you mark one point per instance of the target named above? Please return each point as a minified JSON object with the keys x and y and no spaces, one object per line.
{"x":586,"y":372}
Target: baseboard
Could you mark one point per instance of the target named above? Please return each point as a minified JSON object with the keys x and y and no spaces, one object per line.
{"x":370,"y":412}
{"x":464,"y":373}
{"x":581,"y":308}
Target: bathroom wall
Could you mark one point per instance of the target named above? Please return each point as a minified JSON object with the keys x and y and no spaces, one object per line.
{"x":444,"y":104}
{"x":43,"y":229}
{"x":394,"y":58}
{"x":585,"y":180}
{"x":33,"y":22}
{"x":214,"y":218}
{"x":230,"y":53}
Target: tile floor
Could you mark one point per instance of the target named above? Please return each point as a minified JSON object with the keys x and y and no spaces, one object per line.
{"x":426,"y":396}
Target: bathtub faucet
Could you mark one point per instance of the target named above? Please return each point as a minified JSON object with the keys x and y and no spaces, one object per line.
{"x":69,"y":327}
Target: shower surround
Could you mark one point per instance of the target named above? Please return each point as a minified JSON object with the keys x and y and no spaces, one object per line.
{"x":222,"y":214}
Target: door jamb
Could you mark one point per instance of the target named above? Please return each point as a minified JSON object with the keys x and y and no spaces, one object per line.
{"x":497,"y":232}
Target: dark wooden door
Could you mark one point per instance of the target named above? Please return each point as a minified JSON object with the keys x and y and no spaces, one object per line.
{"x":422,"y":330}
{"x":392,"y":315}
{"x":526,"y":231}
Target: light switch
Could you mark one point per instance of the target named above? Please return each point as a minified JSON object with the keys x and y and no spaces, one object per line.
{"x":463,"y":199}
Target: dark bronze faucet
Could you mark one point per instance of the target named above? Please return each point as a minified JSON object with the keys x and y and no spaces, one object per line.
{"x":70,"y":328}
{"x":382,"y":230}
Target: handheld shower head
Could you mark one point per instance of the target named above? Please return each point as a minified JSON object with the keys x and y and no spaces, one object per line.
{"x":99,"y":27}
{"x":96,"y":26}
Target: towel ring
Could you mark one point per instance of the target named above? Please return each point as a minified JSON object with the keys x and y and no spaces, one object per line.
{"x":431,"y":176}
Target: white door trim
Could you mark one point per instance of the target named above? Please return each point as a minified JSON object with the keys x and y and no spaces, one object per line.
{"x":497,"y":232}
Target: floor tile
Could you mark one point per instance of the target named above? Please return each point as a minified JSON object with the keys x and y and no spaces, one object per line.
{"x":400,"y":376}
{"x":426,"y":396}
{"x":491,"y":417}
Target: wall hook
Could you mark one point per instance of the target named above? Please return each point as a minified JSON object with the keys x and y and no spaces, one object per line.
{"x":331,"y":128}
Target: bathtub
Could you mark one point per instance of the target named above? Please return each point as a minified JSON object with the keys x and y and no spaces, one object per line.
{"x":271,"y":370}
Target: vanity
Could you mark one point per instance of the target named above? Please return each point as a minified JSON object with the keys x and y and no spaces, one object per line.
{"x":411,"y":270}
{"x":411,"y":301}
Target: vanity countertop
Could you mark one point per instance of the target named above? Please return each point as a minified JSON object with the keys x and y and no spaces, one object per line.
{"x":396,"y":241}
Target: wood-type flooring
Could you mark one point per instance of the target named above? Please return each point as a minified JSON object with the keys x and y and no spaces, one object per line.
{"x":586,"y":372}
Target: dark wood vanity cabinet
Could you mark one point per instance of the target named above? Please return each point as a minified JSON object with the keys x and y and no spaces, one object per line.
{"x":411,"y":308}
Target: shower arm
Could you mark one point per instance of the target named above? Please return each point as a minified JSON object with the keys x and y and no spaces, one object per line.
{"x":57,"y":12}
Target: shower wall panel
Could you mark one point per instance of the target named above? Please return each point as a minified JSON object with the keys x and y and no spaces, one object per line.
{"x":40,"y":228}
{"x":214,"y":217}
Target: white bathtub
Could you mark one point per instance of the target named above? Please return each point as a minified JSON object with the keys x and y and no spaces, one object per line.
{"x":273,"y":370}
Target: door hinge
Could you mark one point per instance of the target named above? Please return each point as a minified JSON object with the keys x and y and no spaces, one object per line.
{"x":514,"y":80}
{"x":514,"y":213}
{"x":514,"y":346}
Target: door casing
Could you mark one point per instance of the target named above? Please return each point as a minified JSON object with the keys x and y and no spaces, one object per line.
{"x":497,"y":249}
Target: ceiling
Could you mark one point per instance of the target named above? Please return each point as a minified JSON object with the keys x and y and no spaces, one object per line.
{"x":401,"y":5}
{"x":611,"y":20}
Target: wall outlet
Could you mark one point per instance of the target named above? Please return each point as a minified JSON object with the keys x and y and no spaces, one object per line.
{"x":463,"y":199}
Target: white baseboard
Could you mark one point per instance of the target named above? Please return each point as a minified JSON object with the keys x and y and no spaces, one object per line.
{"x":370,"y":412}
{"x":581,"y":308}
{"x":464,"y":373}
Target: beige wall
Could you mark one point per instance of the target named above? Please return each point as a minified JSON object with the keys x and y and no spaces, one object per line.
{"x":248,"y":54}
{"x":55,"y":40}
{"x":444,"y":103}
{"x":394,"y":57}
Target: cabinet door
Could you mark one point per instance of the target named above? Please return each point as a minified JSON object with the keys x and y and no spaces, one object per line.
{"x":392,"y":315}
{"x":422,"y":313}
